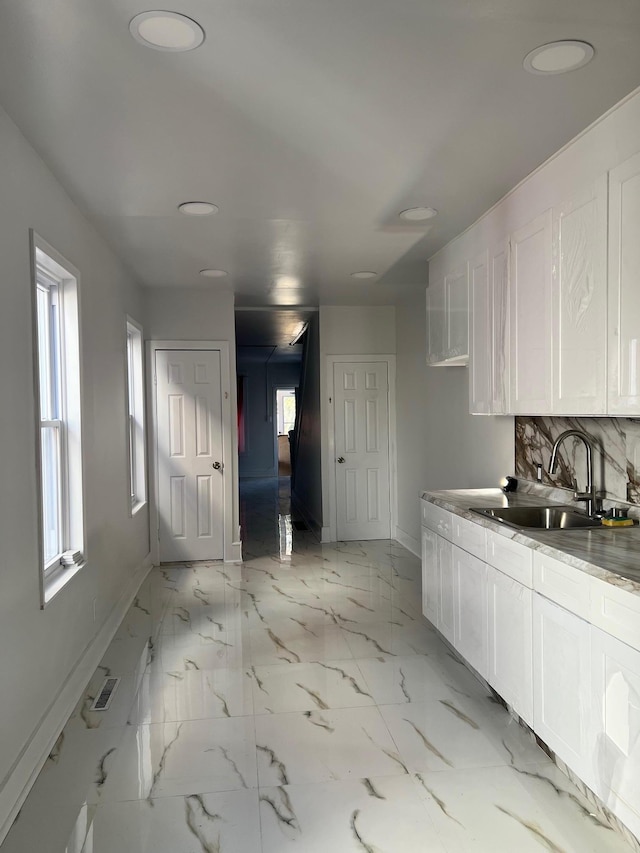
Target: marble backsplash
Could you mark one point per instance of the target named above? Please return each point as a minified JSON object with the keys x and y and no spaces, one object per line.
{"x":616,"y":461}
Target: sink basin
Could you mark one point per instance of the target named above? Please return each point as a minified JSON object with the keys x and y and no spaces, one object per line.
{"x":539,"y":517}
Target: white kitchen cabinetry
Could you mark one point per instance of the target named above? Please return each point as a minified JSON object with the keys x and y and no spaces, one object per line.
{"x":448,"y":317}
{"x":472,"y":617}
{"x":430,"y":576}
{"x":624,"y":292}
{"x":447,"y":608}
{"x":561,"y":674}
{"x":579,"y":325}
{"x":488,"y":331}
{"x":530,"y":332}
{"x":615,"y":710}
{"x":510,"y":647}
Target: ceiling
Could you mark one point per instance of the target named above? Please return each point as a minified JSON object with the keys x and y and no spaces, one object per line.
{"x":310,"y":123}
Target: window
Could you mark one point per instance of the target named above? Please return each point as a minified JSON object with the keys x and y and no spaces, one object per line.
{"x":59,"y":448}
{"x":135,"y":417}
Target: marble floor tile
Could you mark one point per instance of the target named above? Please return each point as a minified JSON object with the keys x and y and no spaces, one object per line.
{"x":197,"y":823}
{"x":445,"y":733}
{"x":501,"y":810}
{"x":183,"y":652}
{"x":166,"y":697}
{"x":318,"y":746}
{"x":387,"y":638}
{"x":381,"y":814}
{"x":315,"y":686}
{"x":412,"y":678}
{"x":286,"y":642}
{"x":187,"y":757}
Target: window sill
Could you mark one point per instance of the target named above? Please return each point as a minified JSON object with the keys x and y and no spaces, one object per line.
{"x":57,"y":580}
{"x":136,"y":507}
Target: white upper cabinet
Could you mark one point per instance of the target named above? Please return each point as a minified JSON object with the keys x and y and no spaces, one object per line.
{"x":480,"y":337}
{"x":624,"y":288}
{"x":530,"y":318}
{"x":448,"y":317}
{"x":579,"y":322}
{"x":489,"y":331}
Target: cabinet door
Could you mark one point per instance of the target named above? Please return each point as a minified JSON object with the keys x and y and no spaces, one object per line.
{"x":456,"y":288}
{"x":580,"y":303}
{"x":499,"y":277}
{"x":471,"y":622}
{"x":530,"y":318}
{"x":430,"y":576}
{"x":510,"y":664}
{"x":615,"y":714}
{"x":561,"y":676}
{"x":447,"y":602}
{"x":480,"y":337}
{"x":435,"y":322}
{"x":624,"y":293}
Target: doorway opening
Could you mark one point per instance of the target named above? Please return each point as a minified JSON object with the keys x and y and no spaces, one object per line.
{"x":285,"y":421}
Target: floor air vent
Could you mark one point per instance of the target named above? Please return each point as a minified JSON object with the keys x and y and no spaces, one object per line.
{"x":105,"y":696}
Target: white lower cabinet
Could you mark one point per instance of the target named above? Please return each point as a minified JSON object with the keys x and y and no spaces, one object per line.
{"x":561,"y":676}
{"x":430,"y":576}
{"x":447,"y":609}
{"x":510,"y":651}
{"x":471,"y":618}
{"x":614,"y":752}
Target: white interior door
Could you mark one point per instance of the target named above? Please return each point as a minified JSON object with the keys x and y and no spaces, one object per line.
{"x":189,"y":465}
{"x":361,"y":406}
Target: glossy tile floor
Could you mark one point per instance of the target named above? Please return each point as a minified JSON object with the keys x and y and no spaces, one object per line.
{"x":296,"y":702}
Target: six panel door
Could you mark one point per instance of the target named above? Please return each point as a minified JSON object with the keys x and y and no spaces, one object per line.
{"x":190,"y":487}
{"x":361,"y":412}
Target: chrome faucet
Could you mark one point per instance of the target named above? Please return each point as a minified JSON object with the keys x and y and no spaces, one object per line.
{"x":588,"y":496}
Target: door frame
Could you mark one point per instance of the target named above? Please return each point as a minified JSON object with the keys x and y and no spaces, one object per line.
{"x":330,"y":531}
{"x":231,"y":545}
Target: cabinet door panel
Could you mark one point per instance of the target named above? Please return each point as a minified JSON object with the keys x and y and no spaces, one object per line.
{"x":480,"y":337}
{"x":580,"y":303}
{"x":615,"y":710}
{"x":510,"y":658}
{"x":624,"y":293}
{"x":447,"y":605}
{"x":435,"y":322}
{"x":456,"y":286}
{"x":471,"y":622}
{"x":430,"y":576}
{"x":561,"y":666}
{"x":530,"y":310}
{"x":499,"y":275}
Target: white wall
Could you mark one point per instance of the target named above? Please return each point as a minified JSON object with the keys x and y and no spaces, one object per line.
{"x":348,"y":330}
{"x":39,"y":649}
{"x":307,"y":483}
{"x":440,"y":445}
{"x":261,"y":380}
{"x":200,"y":314}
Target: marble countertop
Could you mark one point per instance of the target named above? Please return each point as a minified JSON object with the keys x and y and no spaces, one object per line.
{"x":611,"y":555}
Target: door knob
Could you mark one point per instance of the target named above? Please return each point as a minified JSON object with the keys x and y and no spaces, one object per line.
{"x":217,"y":466}
{"x":341,"y":459}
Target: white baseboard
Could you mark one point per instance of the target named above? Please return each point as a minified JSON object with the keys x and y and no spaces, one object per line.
{"x":24,"y":772}
{"x":234,"y":553}
{"x":408,"y":542}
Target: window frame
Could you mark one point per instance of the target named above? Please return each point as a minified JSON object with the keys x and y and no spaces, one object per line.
{"x":135,"y":416}
{"x":58,"y":408}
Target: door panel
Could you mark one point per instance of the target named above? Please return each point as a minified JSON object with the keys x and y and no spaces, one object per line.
{"x":190,"y":490}
{"x":362,"y":442}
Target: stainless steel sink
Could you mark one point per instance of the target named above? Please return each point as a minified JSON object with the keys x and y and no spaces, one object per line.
{"x":539,"y":517}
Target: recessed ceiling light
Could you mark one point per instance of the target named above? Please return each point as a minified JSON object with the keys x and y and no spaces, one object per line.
{"x":364,"y":274}
{"x":197,"y":208}
{"x":213,"y":273}
{"x":557,"y":57}
{"x":418,"y":214}
{"x":166,"y":31}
